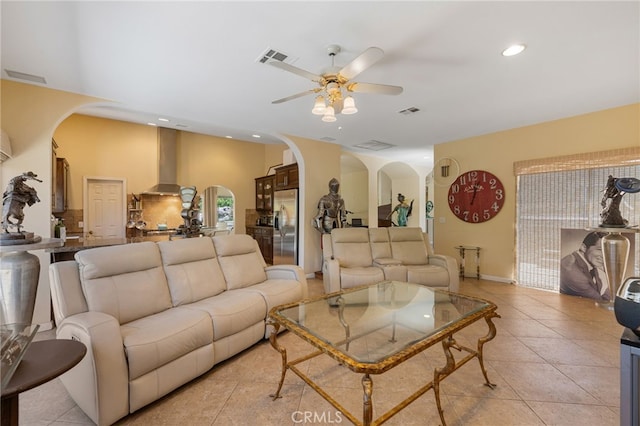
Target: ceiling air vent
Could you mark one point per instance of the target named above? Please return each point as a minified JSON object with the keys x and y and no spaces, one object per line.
{"x":327,"y":139}
{"x":270,"y":55}
{"x":24,"y":76}
{"x":409,"y":111}
{"x":374,"y":145}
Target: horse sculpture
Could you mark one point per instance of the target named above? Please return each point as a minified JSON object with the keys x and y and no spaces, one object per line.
{"x":17,"y":194}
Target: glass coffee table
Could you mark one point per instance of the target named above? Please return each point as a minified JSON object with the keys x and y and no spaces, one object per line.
{"x":374,"y":328}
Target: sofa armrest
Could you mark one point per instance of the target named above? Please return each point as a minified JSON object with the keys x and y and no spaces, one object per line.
{"x":451,"y":265}
{"x":289,"y":272}
{"x":66,"y":291}
{"x":331,"y":275}
{"x":100,"y":382}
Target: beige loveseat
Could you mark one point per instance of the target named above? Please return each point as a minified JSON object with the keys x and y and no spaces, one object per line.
{"x":359,"y":256}
{"x":156,"y":315}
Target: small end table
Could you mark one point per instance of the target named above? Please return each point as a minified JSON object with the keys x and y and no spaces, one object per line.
{"x":462,"y":250}
{"x":44,"y":360}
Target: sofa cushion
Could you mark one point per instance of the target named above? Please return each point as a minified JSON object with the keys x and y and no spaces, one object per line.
{"x":380,"y":245}
{"x":278,"y":292}
{"x":408,"y":245}
{"x":232,"y":311}
{"x":192,"y":270}
{"x":156,"y":340}
{"x":125,"y":281}
{"x":351,"y":247}
{"x":240,"y":260}
{"x":353,"y":277}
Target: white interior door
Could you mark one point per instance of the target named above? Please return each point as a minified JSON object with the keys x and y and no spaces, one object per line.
{"x":104,"y":207}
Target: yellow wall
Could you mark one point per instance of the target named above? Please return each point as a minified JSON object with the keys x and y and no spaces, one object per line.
{"x":110,"y":148}
{"x":355,"y":198}
{"x":107,"y":148}
{"x":29,"y":115}
{"x":496,"y":152}
{"x":318,"y":162}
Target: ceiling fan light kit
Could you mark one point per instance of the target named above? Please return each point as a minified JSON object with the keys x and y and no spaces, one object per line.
{"x":334,"y":80}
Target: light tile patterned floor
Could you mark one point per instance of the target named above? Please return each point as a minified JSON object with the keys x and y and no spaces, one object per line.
{"x":555,"y":361}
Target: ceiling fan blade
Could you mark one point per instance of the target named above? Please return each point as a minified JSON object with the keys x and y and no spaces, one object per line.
{"x":383,"y":89}
{"x":306,"y":74}
{"x":297,"y":95}
{"x":362,"y":62}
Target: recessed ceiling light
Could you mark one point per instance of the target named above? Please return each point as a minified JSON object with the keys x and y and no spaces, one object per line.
{"x":229,"y":137}
{"x":256,"y":136}
{"x":513,"y":50}
{"x":152,"y":124}
{"x":163,"y":119}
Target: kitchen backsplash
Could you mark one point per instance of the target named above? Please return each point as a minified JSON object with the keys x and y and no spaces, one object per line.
{"x":155,"y":209}
{"x":164,"y":209}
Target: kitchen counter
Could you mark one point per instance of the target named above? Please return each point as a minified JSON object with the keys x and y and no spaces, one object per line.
{"x":73,"y":245}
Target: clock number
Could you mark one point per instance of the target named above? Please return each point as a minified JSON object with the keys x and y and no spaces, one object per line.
{"x":495,"y":206}
{"x":486,"y":215}
{"x":473,"y":176}
{"x":499,"y":194}
{"x":465,"y":215}
{"x":475,"y":217}
{"x":456,"y":210}
{"x":452,"y":199}
{"x":455,"y":188}
{"x":492,"y":183}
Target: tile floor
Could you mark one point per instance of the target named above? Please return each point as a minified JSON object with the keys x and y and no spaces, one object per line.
{"x":555,"y":361}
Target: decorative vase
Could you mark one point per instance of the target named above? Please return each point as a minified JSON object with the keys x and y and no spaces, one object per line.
{"x":615,"y":250}
{"x":19,"y":273}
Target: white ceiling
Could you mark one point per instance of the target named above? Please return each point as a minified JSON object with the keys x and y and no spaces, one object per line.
{"x":196,"y":64}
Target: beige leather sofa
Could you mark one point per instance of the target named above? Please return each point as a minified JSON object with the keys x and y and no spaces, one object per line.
{"x":156,"y":315}
{"x":359,"y":256}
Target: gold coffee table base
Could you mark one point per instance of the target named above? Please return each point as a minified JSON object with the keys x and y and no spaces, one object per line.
{"x":445,"y":336}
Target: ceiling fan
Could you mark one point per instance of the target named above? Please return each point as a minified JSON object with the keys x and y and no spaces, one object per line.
{"x":333,"y":81}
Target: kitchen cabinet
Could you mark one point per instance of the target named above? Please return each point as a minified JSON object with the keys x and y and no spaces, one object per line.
{"x":264,"y":236}
{"x":264,"y":193}
{"x":60,"y":197}
{"x":287,"y":177}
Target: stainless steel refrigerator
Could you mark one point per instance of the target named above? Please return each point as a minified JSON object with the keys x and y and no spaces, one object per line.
{"x":285,"y":224}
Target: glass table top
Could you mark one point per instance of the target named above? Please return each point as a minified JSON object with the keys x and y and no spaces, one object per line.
{"x":374,"y":323}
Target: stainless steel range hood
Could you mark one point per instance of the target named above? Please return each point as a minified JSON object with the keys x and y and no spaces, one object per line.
{"x":167,"y":164}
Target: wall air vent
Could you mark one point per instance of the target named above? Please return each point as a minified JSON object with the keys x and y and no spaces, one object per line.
{"x":270,"y":55}
{"x":374,"y":145}
{"x":24,"y":76}
{"x":409,"y":111}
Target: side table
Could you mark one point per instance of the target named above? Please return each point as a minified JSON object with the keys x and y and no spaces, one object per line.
{"x":462,"y":250}
{"x":44,"y":360}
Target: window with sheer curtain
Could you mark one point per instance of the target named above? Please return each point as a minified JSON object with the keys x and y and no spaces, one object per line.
{"x":560,"y":193}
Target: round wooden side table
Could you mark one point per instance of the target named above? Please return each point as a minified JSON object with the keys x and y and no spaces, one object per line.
{"x":44,"y":360}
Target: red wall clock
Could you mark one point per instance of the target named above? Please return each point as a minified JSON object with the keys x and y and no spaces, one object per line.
{"x":476,"y":196}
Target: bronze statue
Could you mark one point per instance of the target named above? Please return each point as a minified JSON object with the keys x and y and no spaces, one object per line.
{"x":17,"y":194}
{"x":331,"y":211}
{"x":403,"y":210}
{"x":192,"y":224}
{"x":616,"y":188}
